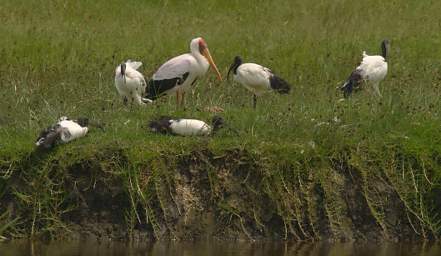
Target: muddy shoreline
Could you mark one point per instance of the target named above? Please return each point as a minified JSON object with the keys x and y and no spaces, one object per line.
{"x":202,"y":195}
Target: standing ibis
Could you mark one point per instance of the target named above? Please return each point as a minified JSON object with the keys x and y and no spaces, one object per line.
{"x":372,"y":69}
{"x":179,"y":73}
{"x":129,"y":82}
{"x":257,"y":79}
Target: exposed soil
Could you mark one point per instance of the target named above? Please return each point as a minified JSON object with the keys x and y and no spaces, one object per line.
{"x":225,"y":197}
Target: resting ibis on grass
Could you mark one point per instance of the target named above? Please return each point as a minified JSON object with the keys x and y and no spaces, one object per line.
{"x":372,"y":70}
{"x":186,"y":127}
{"x":257,"y":79}
{"x":179,"y":73}
{"x":129,"y":82}
{"x":63,"y":131}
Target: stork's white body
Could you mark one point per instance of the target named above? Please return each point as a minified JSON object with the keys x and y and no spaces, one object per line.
{"x":373,"y":69}
{"x":131,"y":86}
{"x":192,"y":63}
{"x":190,"y":127}
{"x":254,"y":77}
{"x":179,"y":73}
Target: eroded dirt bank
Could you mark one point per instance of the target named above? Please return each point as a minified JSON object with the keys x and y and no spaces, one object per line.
{"x":232,"y":195}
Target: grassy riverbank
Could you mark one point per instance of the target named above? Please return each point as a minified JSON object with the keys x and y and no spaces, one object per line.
{"x":58,"y":58}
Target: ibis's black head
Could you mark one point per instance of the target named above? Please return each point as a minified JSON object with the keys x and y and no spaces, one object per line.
{"x":49,"y":137}
{"x":385,"y":45}
{"x":217,"y":122}
{"x":236,"y":63}
{"x":161,"y":125}
{"x":83,"y":121}
{"x":123,"y":69}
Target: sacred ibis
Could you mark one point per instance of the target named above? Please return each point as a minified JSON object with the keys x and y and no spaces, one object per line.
{"x":129,"y":82}
{"x":63,"y":131}
{"x":257,"y":79}
{"x":185,"y":127}
{"x":372,"y":70}
{"x":179,"y":73}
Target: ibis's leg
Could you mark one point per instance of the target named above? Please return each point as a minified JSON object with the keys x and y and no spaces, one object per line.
{"x":254,"y":101}
{"x":138,"y":100}
{"x":368,"y":87}
{"x":376,"y":89}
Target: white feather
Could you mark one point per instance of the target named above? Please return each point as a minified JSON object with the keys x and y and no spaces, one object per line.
{"x":175,"y":67}
{"x":194,"y":63}
{"x":180,"y":65}
{"x":254,"y":77}
{"x":133,"y":85}
{"x":134,"y":64}
{"x":189,"y":127}
{"x":373,"y":69}
{"x":70,"y":130}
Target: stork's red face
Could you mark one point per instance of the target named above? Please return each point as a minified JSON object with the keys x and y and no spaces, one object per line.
{"x":203,"y":49}
{"x":202,"y":45}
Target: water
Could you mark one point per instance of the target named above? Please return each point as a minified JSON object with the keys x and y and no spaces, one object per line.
{"x":18,"y":248}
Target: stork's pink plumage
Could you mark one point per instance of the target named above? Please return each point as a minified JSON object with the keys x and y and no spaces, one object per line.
{"x":179,"y":73}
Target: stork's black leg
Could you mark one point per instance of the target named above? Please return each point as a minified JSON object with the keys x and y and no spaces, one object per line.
{"x":254,"y":101}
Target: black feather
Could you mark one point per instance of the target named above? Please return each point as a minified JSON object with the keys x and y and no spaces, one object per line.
{"x":279,"y":85}
{"x":82,"y":121}
{"x":157,"y":88}
{"x":353,"y":82}
{"x":236,"y":63}
{"x":49,"y":136}
{"x":217,"y":122}
{"x":161,"y":125}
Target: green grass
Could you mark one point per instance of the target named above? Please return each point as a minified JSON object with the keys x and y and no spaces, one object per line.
{"x":58,"y":58}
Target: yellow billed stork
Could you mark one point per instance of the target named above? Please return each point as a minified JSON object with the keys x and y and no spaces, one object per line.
{"x":372,"y":69}
{"x":65,"y":130}
{"x":179,"y":73}
{"x":257,"y":79}
{"x":185,"y":127}
{"x":129,"y":82}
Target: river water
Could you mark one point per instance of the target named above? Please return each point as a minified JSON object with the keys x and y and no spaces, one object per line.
{"x":18,"y":248}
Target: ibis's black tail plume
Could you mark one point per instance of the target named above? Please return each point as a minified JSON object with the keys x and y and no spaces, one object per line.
{"x":351,"y":83}
{"x":279,"y":85}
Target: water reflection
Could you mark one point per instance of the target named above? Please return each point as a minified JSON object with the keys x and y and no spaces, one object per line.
{"x":18,"y":248}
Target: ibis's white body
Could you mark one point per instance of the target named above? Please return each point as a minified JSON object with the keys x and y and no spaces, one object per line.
{"x":64,"y":130}
{"x":70,"y":130}
{"x":189,"y":127}
{"x":254,"y":77}
{"x":193,"y":63}
{"x":132,"y":86}
{"x":373,"y":69}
